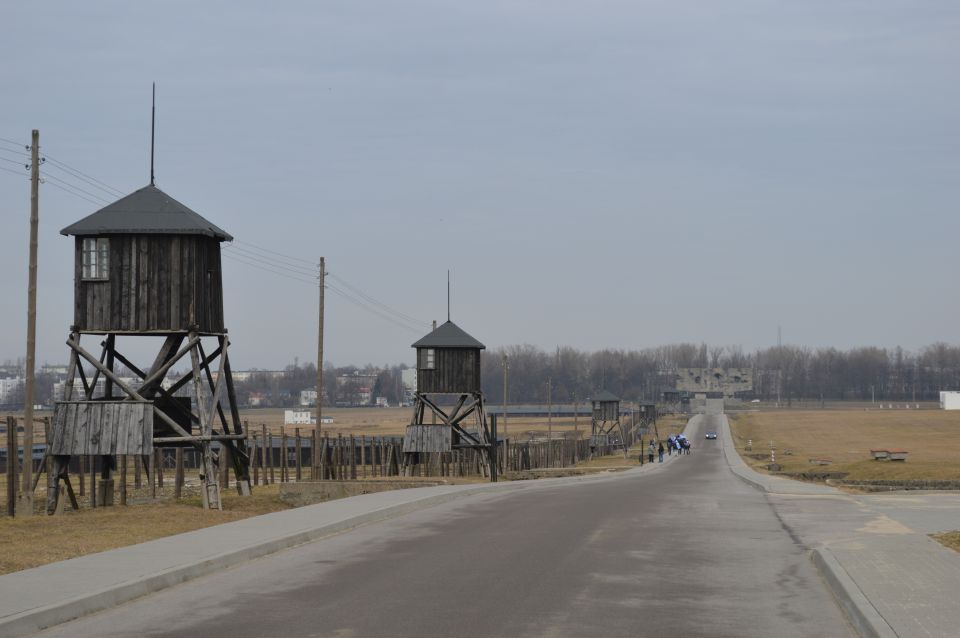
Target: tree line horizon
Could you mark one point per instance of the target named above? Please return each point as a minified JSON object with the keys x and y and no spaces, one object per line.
{"x":567,"y":374}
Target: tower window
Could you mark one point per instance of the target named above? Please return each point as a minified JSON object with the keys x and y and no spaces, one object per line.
{"x":428,"y":359}
{"x":95,"y":258}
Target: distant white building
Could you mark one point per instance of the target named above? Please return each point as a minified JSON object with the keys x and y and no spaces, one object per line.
{"x":949,"y":400}
{"x":408,"y":378}
{"x":298,"y":417}
{"x":9,"y":389}
{"x":308,"y":397}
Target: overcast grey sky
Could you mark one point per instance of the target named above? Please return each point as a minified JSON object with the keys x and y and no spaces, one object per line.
{"x":596,"y":174}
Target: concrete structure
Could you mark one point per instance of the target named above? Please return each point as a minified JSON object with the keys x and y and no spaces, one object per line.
{"x":725,"y":382}
{"x":949,"y":400}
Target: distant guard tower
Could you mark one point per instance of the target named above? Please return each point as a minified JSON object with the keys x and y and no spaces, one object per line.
{"x":448,"y":367}
{"x":148,"y":266}
{"x":606,"y":418}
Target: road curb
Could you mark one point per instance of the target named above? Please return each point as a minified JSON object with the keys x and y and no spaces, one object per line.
{"x":861,"y":613}
{"x":736,"y":464}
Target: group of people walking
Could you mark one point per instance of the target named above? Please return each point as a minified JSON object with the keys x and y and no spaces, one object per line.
{"x":675,"y":443}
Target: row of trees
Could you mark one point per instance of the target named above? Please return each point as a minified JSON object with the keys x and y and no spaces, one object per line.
{"x":569,"y":374}
{"x":797,"y":372}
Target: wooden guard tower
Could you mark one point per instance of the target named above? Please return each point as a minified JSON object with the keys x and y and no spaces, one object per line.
{"x":448,"y":370}
{"x":606,"y":418}
{"x":148,"y":266}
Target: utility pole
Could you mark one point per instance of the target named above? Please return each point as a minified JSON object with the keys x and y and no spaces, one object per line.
{"x":319,"y":406}
{"x":31,"y":329}
{"x":576,"y":414}
{"x":779,"y":364}
{"x":506,"y":370}
{"x":550,"y":409}
{"x":915,"y":372}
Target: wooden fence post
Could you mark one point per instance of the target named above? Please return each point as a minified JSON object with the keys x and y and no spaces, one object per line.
{"x":363,"y":454}
{"x":273,"y":464}
{"x":159,"y":454}
{"x":93,"y":481}
{"x":123,"y":479}
{"x":82,"y":473}
{"x":12,"y":445}
{"x":298,"y":451}
{"x":284,"y":462}
{"x":149,"y":460}
{"x":353,"y":457}
{"x":178,"y":475}
{"x":255,"y":460}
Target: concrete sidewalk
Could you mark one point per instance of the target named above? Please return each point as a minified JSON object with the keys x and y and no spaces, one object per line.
{"x":33,"y":599}
{"x":873,"y":550}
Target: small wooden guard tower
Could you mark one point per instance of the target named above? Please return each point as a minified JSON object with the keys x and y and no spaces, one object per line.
{"x":606,"y":417}
{"x":448,"y":369}
{"x":148,"y":266}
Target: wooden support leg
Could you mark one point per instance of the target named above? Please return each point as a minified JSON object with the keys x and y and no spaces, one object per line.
{"x":208,"y":472}
{"x":123,"y":479}
{"x":178,"y":476}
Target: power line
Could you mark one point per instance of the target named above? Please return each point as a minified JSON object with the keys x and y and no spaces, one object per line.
{"x":372,"y":310}
{"x":93,"y":181}
{"x":271,"y":260}
{"x":17,"y":153}
{"x":19,"y":162}
{"x":255,"y":257}
{"x":273,"y":252}
{"x":17,"y":144}
{"x":68,"y":184}
{"x":86,"y":199}
{"x":267,"y":269}
{"x":374,"y":301}
{"x":10,"y":170}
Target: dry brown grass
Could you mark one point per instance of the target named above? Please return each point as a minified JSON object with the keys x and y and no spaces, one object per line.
{"x":932,"y":437}
{"x":38,"y":540}
{"x":393,"y":422}
{"x":948,"y":539}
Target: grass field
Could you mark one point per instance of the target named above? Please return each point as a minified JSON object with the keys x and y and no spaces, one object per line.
{"x":38,"y":540}
{"x":845,"y":437}
{"x":393,"y":422}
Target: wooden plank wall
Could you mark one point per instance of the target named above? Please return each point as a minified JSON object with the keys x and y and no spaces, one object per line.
{"x":102,"y":427}
{"x":457,"y":370}
{"x":428,"y":438}
{"x":156,"y":283}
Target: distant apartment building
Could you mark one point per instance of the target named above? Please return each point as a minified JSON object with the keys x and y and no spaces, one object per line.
{"x":308,"y":397}
{"x":355,"y":389}
{"x":256,"y":399}
{"x":10,"y":390}
{"x":408,"y":379}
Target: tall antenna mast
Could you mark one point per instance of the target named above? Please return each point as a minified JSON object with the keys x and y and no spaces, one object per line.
{"x":448,"y":294}
{"x":153,"y":120}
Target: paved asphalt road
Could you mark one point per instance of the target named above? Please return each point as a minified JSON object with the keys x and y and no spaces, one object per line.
{"x":687,"y":550}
